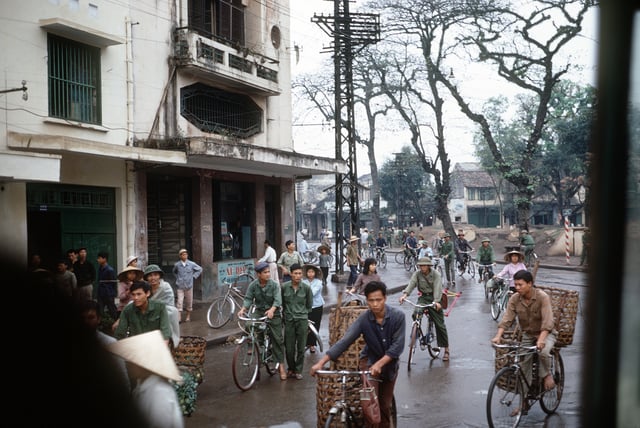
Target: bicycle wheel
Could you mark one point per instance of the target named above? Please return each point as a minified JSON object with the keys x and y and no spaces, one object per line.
{"x":335,"y":419}
{"x":383,"y":261}
{"x":472,"y":269}
{"x":267,"y":358}
{"x":434,"y":351}
{"x":485,"y":279}
{"x":409,"y":263}
{"x":245,"y":365}
{"x":399,"y":258}
{"x":505,"y":399}
{"x":413,"y":342}
{"x":551,"y":399}
{"x":496,"y":303}
{"x":314,"y":331}
{"x":220,"y":312}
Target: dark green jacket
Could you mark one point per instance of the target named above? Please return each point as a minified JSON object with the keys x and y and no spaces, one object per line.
{"x":296,"y":303}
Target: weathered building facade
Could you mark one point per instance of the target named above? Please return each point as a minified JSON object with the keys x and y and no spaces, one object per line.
{"x":149,"y":127}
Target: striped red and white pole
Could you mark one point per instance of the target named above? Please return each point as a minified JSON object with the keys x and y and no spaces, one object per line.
{"x":566,"y":238}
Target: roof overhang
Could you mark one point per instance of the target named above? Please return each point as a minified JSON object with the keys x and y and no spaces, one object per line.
{"x":18,"y":166}
{"x":256,"y":160}
{"x":59,"y":144}
{"x":197,"y":153}
{"x":74,"y":31}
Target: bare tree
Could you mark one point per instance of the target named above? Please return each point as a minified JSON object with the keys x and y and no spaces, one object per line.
{"x":368,"y":99}
{"x":411,"y":78}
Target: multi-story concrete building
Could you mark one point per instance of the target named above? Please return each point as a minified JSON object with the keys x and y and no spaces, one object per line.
{"x":148,"y":126}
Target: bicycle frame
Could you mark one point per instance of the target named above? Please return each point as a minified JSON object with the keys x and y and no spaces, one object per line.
{"x":418,"y":336}
{"x":340,"y":410}
{"x":511,"y":394}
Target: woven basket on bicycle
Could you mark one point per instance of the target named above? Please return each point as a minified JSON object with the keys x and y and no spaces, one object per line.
{"x":329,"y":389}
{"x":339,"y":320}
{"x":504,"y":357}
{"x":189,"y":355}
{"x":565,"y":311}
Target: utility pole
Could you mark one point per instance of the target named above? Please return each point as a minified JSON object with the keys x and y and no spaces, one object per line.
{"x":351,"y":32}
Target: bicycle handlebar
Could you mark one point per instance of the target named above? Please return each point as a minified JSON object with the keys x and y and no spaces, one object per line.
{"x":515,"y":346}
{"x":344,"y":372}
{"x":260,"y":319}
{"x":419,"y":305}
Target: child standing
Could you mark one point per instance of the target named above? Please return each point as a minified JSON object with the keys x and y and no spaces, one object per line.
{"x":325,"y":262}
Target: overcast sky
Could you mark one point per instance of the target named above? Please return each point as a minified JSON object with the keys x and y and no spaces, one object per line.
{"x":312,"y":138}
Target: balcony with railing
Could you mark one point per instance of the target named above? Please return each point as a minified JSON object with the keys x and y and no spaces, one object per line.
{"x":237,"y":66}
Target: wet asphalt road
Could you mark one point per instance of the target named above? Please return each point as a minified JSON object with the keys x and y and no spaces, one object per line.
{"x":433,"y":394}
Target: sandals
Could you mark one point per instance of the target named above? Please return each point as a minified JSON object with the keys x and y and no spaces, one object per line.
{"x":446,"y":356}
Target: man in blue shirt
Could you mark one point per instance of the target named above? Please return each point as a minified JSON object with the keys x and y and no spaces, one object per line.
{"x":383,"y":329}
{"x":107,"y":286}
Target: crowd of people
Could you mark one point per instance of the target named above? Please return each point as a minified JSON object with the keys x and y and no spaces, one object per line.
{"x":134,"y":316}
{"x":138,"y":301}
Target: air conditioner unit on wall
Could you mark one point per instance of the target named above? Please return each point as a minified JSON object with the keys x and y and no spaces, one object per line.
{"x":245,"y":3}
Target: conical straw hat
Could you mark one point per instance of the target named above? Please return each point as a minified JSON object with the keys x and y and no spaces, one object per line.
{"x":149,"y":351}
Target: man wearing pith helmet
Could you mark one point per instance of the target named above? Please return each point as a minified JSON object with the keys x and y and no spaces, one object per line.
{"x":486,"y":257}
{"x":429,"y":283}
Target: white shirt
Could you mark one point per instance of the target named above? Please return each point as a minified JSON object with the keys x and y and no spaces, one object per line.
{"x":157,"y":399}
{"x":270,"y":255}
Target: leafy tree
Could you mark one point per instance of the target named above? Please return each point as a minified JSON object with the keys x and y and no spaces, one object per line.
{"x":406,"y":188}
{"x":523,"y":43}
{"x":559,"y":167}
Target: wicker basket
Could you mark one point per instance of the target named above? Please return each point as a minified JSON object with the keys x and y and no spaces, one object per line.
{"x":503,"y":358}
{"x":339,"y":320}
{"x":189,"y":355}
{"x":329,"y":389}
{"x":565,"y":312}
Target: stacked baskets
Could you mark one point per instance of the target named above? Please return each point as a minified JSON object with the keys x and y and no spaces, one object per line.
{"x":189,"y":356}
{"x":328,"y":388}
{"x":564,"y":304}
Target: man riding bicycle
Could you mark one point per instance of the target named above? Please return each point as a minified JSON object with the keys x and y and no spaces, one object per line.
{"x":461,"y":245}
{"x":528,"y":244}
{"x":429,"y":283}
{"x":411,"y":244}
{"x":533,"y":309}
{"x":486,"y":258}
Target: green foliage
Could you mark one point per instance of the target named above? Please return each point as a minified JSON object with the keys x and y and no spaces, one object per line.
{"x":406,"y":187}
{"x":187,"y":393}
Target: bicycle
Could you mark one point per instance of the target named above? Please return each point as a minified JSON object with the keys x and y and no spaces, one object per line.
{"x":499,"y":297}
{"x":252,"y":350}
{"x":438,"y":265}
{"x":485,"y":276}
{"x":418,"y":337}
{"x":510,"y":394}
{"x":341,"y":413}
{"x":222,"y":308}
{"x":311,"y":256}
{"x":530,"y":256}
{"x":381,"y":257}
{"x":411,"y":261}
{"x":465,"y":264}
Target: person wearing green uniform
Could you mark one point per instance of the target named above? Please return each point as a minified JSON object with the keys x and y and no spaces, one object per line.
{"x":528,"y":244}
{"x":143,"y":315}
{"x":486,"y":257}
{"x":297,"y":301}
{"x":265,"y":294}
{"x":429,"y":283}
{"x":447,"y":253}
